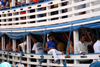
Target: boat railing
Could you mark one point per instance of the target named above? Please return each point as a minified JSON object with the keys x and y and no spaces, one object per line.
{"x":33,"y":59}
{"x":49,"y":13}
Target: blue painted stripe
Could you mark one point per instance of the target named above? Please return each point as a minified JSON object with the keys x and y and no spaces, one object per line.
{"x":57,"y":25}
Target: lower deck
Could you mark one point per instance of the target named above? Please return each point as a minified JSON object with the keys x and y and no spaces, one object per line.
{"x":31,"y":59}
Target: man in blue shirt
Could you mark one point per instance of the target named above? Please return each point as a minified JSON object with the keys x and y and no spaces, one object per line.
{"x":50,"y":46}
{"x":3,"y":4}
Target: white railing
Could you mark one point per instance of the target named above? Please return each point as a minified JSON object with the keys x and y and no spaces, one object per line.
{"x":92,"y":9}
{"x":33,"y":59}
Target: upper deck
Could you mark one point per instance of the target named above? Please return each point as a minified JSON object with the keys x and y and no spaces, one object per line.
{"x":53,"y":14}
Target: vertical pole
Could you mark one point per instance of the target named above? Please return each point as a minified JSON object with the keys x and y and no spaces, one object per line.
{"x":76,"y":40}
{"x":47,"y":37}
{"x":3,"y":42}
{"x":14,"y":45}
{"x":28,"y":43}
{"x":27,"y":1}
{"x":28,"y":48}
{"x":13,"y":2}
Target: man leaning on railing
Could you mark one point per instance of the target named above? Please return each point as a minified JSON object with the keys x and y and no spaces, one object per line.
{"x":82,"y":46}
{"x":3,"y":4}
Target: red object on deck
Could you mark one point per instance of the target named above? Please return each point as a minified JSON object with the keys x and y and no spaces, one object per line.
{"x":35,"y":0}
{"x":23,"y":12}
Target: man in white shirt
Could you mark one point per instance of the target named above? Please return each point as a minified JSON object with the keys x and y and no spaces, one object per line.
{"x":20,"y":2}
{"x":22,"y":46}
{"x":37,"y":48}
{"x":97,"y":46}
{"x":82,"y":46}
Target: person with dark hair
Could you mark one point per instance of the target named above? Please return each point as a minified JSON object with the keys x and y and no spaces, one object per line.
{"x":70,"y":48}
{"x":3,"y":4}
{"x":10,"y":47}
{"x":37,"y":48}
{"x":60,"y":45}
{"x":23,"y":46}
{"x":82,"y":46}
{"x":50,"y":46}
{"x":97,"y":46}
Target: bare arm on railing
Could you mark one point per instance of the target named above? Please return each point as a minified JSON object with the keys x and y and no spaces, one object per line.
{"x":25,"y":48}
{"x":1,"y":5}
{"x":34,"y":48}
{"x":70,"y":49}
{"x":46,"y":47}
{"x":6,"y":48}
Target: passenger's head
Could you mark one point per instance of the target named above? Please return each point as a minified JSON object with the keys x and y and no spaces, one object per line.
{"x":70,"y":42}
{"x":4,"y":0}
{"x":82,"y":38}
{"x":50,"y":37}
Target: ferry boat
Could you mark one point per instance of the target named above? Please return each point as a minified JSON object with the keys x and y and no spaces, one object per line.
{"x":41,"y":18}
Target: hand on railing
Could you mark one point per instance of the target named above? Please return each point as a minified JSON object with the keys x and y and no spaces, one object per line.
{"x":83,"y":53}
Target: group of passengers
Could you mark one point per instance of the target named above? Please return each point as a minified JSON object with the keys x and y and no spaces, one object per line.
{"x":8,"y":3}
{"x":55,"y":47}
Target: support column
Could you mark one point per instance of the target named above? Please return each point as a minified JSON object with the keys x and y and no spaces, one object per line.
{"x":47,"y":37}
{"x":14,"y":45}
{"x":28,"y":48}
{"x":76,"y":40}
{"x":27,"y":1}
{"x":13,"y":2}
{"x":3,"y":42}
{"x":28,"y":43}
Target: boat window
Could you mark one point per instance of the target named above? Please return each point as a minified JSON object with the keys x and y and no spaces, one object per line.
{"x":32,"y":10}
{"x":32,"y":16}
{"x":54,"y":6}
{"x":42,"y":9}
{"x":65,"y":3}
{"x":10,"y":14}
{"x":54,"y":13}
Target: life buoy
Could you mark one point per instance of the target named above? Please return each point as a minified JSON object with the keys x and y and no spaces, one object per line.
{"x":5,"y":64}
{"x":95,"y":64}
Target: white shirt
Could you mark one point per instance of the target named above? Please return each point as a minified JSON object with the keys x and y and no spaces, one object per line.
{"x":97,"y":47}
{"x":38,"y":48}
{"x":21,"y":1}
{"x":22,"y":45}
{"x":82,"y":47}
